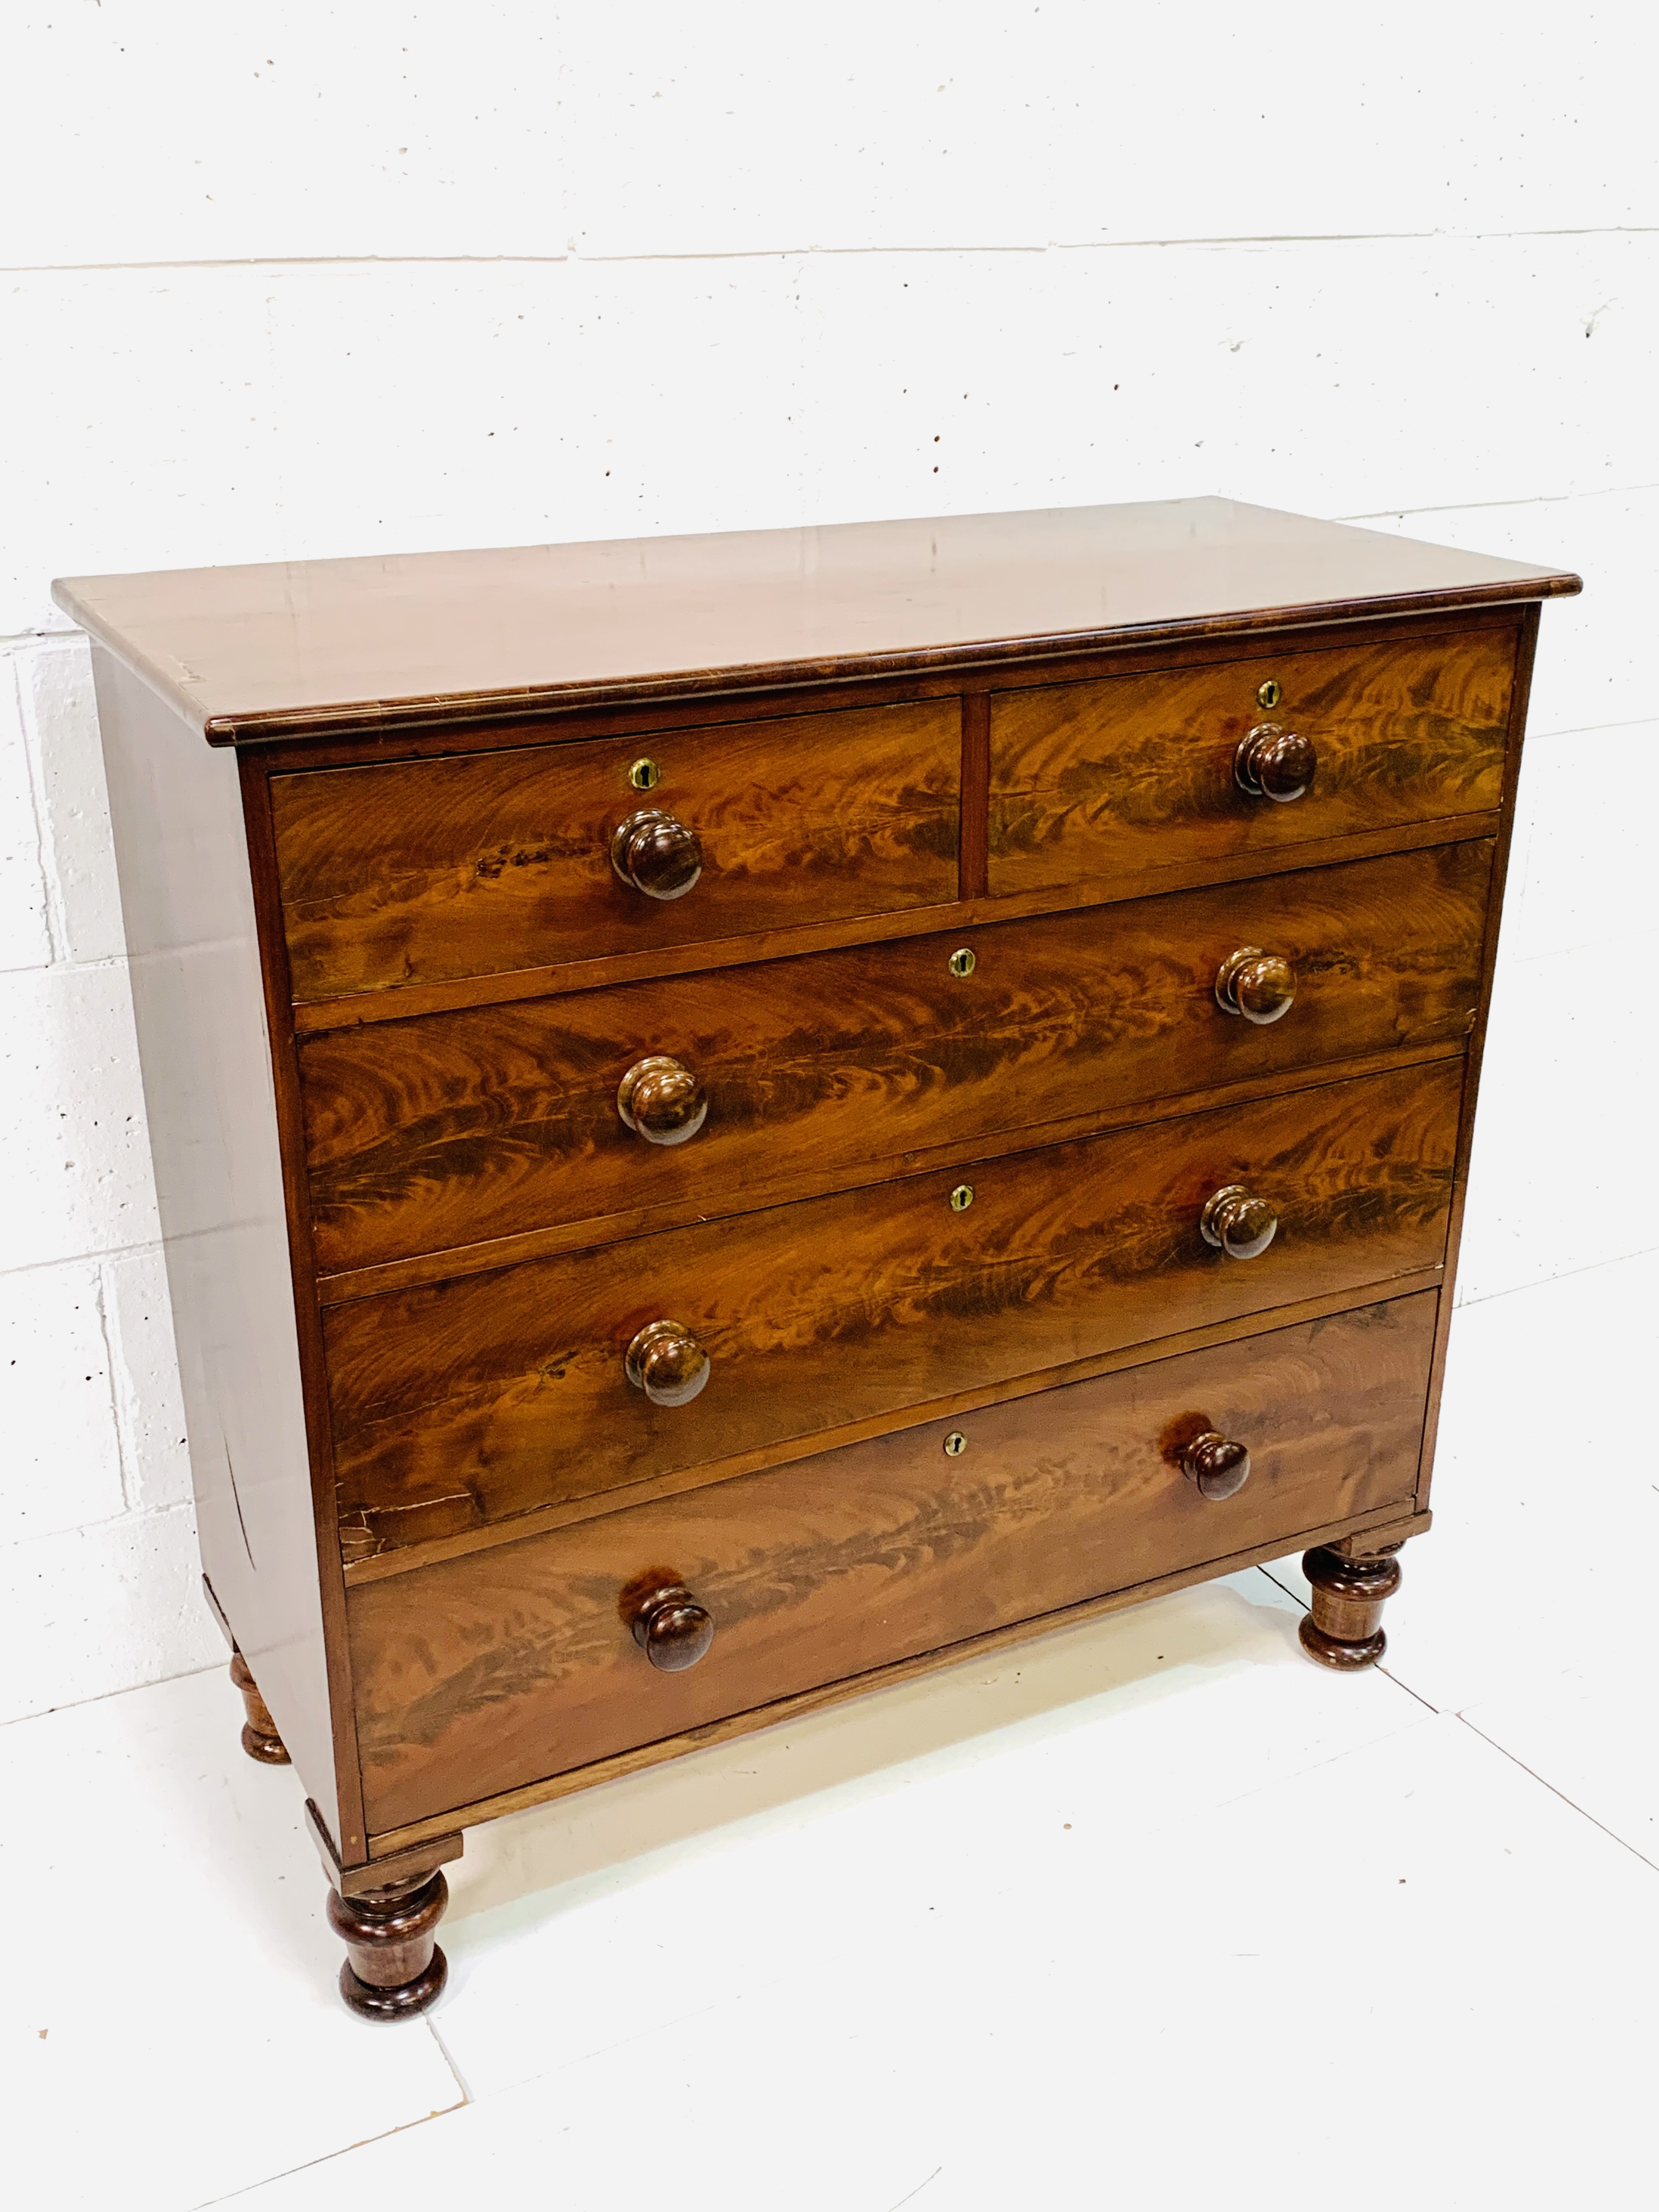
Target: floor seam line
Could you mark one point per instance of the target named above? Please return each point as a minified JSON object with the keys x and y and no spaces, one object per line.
{"x":1544,"y":1783}
{"x":1427,"y":1704}
{"x":328,"y":2158}
{"x":447,"y":2056}
{"x":126,"y":1690}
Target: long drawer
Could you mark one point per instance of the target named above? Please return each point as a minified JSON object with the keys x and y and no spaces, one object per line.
{"x":1133,"y":773}
{"x":462,"y":1127}
{"x":479,"y":1675}
{"x":420,"y":872}
{"x":458,"y":1405}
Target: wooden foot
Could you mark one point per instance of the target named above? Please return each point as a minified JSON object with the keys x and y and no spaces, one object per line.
{"x":393,"y":1968}
{"x":259,"y":1738}
{"x":1344,"y":1629}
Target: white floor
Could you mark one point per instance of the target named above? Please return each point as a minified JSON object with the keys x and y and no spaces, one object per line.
{"x":1152,"y":1913}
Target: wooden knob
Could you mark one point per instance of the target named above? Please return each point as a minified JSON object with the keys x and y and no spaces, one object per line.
{"x":1218,"y":1466}
{"x":1274,"y":764}
{"x":657,"y":854}
{"x":1242,"y":1226}
{"x":1260,"y":986}
{"x":668,"y":1626}
{"x":666,"y":1362}
{"x":660,"y":1100}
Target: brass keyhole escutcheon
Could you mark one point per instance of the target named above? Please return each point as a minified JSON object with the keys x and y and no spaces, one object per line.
{"x":962,"y":1198}
{"x":645,"y":775}
{"x":1268,"y":694}
{"x":955,"y":1444}
{"x":963,"y":962}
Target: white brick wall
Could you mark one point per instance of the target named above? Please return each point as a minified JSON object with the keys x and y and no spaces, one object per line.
{"x":325,"y":280}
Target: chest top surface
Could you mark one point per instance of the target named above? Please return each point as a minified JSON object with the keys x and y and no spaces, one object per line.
{"x":290,"y":648}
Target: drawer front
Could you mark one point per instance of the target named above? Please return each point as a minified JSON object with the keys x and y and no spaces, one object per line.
{"x":459,"y":1128}
{"x":1132,"y":773}
{"x":482,"y":1674}
{"x":421,"y":871}
{"x":458,"y":1405}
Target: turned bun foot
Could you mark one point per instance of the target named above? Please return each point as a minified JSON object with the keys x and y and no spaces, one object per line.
{"x":1344,"y":1629}
{"x":259,"y":1738}
{"x":393,"y":1968}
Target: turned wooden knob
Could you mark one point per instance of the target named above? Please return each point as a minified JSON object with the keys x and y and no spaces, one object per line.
{"x":1260,"y":986}
{"x":1218,"y":1466}
{"x":1241,"y":1225}
{"x":657,"y":854}
{"x":669,"y":1626}
{"x":666,"y":1362}
{"x":660,"y":1100}
{"x":1274,"y":764}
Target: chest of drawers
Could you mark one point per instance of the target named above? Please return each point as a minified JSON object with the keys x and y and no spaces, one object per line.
{"x":736,"y":1117}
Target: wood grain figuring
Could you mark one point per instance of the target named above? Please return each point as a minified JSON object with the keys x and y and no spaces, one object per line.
{"x":461,"y":1405}
{"x":768,"y":1113}
{"x":483,"y":725}
{"x":260,"y":653}
{"x":975,"y":782}
{"x":783,"y":1711}
{"x":1138,"y":772}
{"x":413,"y":872}
{"x":482,"y":1674}
{"x":564,"y":1514}
{"x":424,"y":1135}
{"x":261,"y":850}
{"x":364,"y":1007}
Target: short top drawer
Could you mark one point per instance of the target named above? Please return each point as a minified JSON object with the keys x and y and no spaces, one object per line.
{"x":1134,"y":773}
{"x":425,"y":871}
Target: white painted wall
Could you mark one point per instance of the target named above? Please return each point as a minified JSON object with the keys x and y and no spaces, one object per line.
{"x":313,"y":279}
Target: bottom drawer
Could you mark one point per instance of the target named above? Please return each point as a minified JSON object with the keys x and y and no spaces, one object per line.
{"x":482,"y":1674}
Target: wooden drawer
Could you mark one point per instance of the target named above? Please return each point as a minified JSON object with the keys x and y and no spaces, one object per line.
{"x":1133,"y":773}
{"x":419,"y":872}
{"x":480,"y":1675}
{"x":458,"y":1405}
{"x":459,"y":1128}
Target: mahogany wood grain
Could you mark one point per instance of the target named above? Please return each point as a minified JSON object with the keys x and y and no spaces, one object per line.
{"x":449,"y":739}
{"x":461,"y":1405}
{"x":282,"y":1043}
{"x":975,"y":781}
{"x":644,"y":1220}
{"x":480,"y":1675}
{"x":483,"y":864}
{"x":971,"y":1651}
{"x":487,"y":725}
{"x":361,"y":1008}
{"x":497,"y":1121}
{"x":567,"y":1513}
{"x":1138,"y":772}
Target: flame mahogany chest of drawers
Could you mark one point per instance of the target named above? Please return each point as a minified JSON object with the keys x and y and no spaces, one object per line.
{"x":737,"y":1117}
